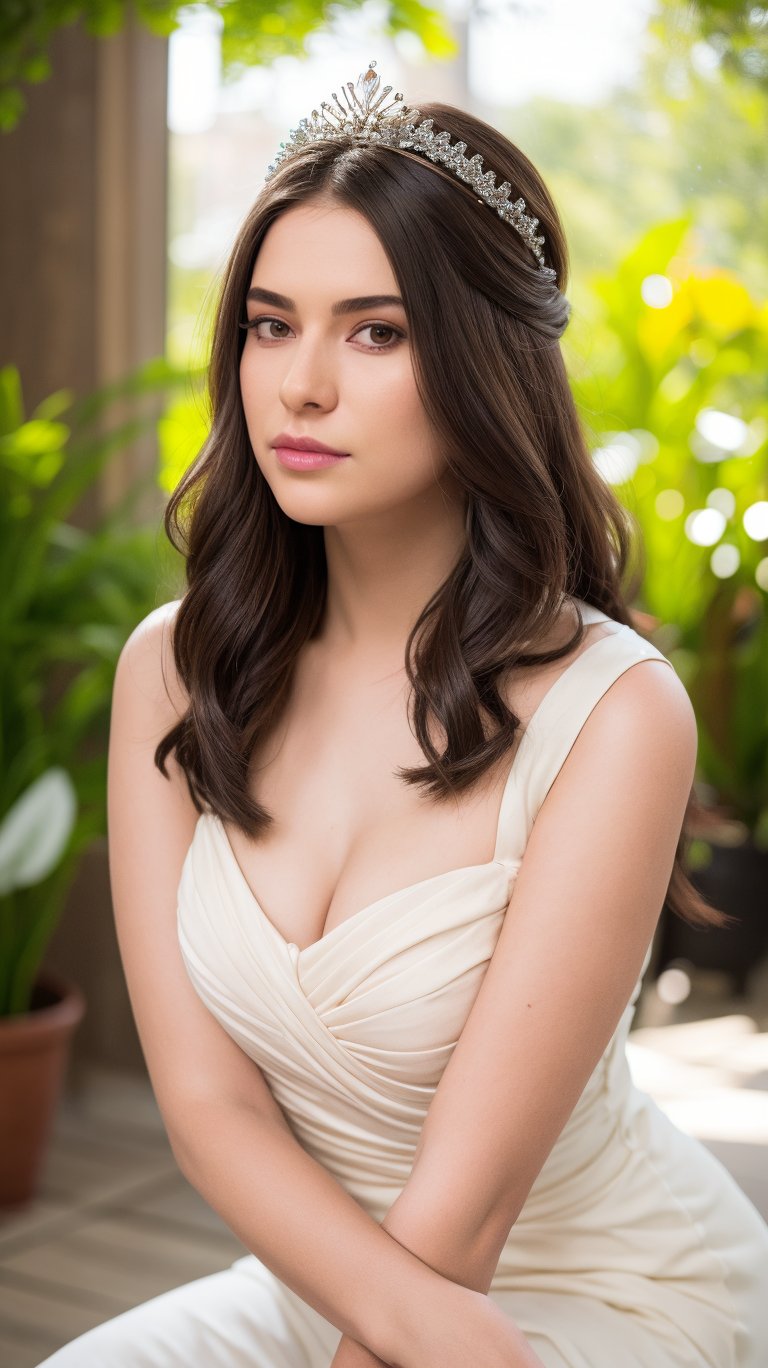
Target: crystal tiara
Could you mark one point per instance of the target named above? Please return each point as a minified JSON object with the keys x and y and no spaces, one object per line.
{"x":367,"y":119}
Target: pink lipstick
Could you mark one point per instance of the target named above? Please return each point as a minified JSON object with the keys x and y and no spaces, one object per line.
{"x":305,"y":453}
{"x":293,"y":459}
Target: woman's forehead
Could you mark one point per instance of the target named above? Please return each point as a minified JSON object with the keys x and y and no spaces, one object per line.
{"x":332,"y":251}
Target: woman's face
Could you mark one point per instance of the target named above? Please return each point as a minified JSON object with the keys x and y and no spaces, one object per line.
{"x":314,"y":367}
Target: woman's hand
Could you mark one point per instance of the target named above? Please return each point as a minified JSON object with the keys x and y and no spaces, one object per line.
{"x":470,"y":1331}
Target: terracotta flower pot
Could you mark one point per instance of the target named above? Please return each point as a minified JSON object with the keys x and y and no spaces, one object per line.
{"x":34,"y":1051}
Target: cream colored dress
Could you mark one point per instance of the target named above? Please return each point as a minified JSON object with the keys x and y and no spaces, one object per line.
{"x":635,"y":1248}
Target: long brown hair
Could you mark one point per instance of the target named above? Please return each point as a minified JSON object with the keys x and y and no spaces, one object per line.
{"x":540,"y":521}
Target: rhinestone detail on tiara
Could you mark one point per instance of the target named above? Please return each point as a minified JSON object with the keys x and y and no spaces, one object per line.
{"x":367,"y":119}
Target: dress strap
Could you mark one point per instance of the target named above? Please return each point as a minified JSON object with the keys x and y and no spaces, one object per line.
{"x":552,"y":730}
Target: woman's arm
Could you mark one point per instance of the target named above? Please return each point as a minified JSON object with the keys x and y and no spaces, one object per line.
{"x":227,"y":1132}
{"x":289,"y":1211}
{"x":294,"y":1216}
{"x":585,"y":904}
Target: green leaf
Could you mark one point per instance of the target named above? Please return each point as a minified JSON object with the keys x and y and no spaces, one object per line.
{"x":35,"y":832}
{"x":11,"y":401}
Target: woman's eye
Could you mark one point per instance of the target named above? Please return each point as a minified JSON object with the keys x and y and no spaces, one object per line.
{"x":254,"y":323}
{"x":376,"y":330}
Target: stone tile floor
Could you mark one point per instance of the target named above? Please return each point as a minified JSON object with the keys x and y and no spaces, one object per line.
{"x":115,"y":1223}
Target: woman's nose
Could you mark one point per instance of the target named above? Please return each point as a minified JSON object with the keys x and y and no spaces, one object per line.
{"x":308,"y":375}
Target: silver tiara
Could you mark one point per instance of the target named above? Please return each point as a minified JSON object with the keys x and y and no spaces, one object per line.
{"x":391,"y":125}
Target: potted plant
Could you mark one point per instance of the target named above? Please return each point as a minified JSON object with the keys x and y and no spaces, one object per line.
{"x":684,"y":425}
{"x":71,"y":597}
{"x":38,"y":1017}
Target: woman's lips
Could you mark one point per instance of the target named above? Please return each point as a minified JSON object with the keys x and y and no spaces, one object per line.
{"x":293,"y":459}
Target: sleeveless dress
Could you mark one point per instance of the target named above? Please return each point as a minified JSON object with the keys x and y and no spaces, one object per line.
{"x":635,"y":1247}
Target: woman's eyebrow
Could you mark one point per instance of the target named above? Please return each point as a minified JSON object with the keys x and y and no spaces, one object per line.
{"x":342,"y":306}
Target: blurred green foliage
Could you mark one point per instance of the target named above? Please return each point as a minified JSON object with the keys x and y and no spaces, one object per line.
{"x":253,"y":32}
{"x":735,"y":30}
{"x":680,"y":141}
{"x":181,"y":432}
{"x":70,"y":599}
{"x":673,"y":395}
{"x":668,"y":179}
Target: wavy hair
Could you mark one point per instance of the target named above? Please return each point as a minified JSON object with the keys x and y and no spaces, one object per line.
{"x":541,"y":523}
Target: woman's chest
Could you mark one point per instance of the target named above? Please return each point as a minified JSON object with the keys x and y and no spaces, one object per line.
{"x":347,"y":830}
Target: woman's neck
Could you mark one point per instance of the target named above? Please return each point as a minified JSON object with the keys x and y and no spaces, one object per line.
{"x":380,"y":578}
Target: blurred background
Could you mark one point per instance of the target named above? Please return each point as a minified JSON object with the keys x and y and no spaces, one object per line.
{"x":133,"y":140}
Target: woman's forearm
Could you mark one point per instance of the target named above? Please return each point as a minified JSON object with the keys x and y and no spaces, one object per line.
{"x":351,"y":1354}
{"x":443,"y":1237}
{"x":431,"y":1224}
{"x":289,"y":1211}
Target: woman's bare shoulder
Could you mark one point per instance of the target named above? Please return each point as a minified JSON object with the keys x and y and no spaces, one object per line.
{"x":148,"y":660}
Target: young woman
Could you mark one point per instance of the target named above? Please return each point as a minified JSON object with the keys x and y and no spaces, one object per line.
{"x":396,"y":795}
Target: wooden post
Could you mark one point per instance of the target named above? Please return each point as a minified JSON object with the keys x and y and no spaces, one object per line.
{"x":83,"y":229}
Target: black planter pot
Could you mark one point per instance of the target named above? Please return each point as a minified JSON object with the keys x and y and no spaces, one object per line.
{"x":735,"y":881}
